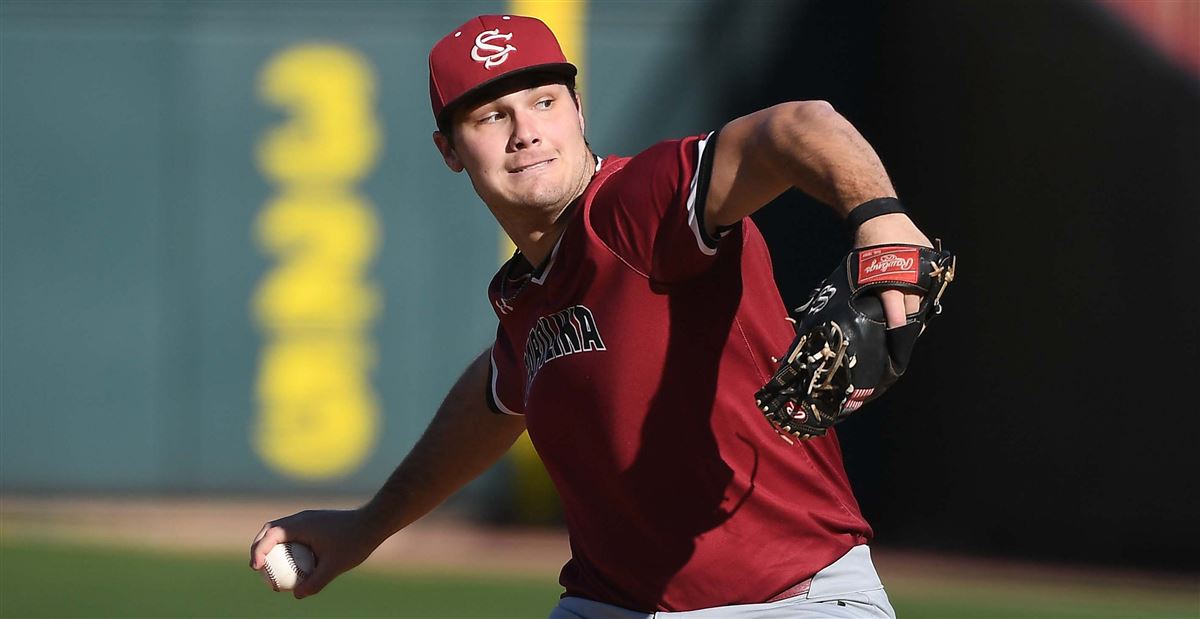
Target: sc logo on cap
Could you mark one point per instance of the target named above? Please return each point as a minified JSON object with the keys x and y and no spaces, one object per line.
{"x":489,"y":54}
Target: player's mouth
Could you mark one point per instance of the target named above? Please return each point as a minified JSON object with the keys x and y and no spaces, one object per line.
{"x":532,"y":167}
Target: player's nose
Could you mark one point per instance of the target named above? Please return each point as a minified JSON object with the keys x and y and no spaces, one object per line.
{"x":525,"y":131}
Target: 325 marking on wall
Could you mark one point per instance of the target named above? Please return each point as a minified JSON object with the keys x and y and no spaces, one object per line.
{"x":318,"y":416}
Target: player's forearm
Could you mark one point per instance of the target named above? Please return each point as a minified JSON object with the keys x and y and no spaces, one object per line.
{"x":819,"y":152}
{"x":822,"y":154}
{"x":801,"y":144}
{"x":463,"y":440}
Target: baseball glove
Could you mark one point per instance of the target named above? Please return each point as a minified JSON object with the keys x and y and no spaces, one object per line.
{"x":844,"y":355}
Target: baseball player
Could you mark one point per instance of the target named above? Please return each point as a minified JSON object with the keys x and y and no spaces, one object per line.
{"x":638,"y":320}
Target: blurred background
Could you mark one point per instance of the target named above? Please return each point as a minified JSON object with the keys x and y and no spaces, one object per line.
{"x":236,"y":279}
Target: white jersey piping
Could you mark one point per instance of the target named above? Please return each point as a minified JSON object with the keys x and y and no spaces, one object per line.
{"x":495,"y":393}
{"x":693,"y":221}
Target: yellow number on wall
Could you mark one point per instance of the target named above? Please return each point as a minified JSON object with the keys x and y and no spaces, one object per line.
{"x":332,"y":136}
{"x":324,"y":245}
{"x":318,"y":416}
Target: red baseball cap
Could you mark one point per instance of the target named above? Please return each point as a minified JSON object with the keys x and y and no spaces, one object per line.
{"x":486,"y":49}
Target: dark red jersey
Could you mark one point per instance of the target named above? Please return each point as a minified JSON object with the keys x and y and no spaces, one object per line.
{"x":634,"y":352}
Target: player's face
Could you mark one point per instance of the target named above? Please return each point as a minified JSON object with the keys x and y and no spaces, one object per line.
{"x":523,"y":149}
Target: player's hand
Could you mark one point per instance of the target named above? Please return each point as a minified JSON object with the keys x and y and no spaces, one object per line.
{"x":893,"y":228}
{"x":340,"y":539}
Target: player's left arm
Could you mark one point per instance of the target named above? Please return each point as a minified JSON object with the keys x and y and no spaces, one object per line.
{"x":810,"y":146}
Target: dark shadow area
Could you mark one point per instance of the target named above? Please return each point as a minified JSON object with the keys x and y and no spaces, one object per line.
{"x":1057,"y":155}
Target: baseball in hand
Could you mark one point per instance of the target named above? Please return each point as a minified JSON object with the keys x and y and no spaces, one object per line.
{"x":287,"y":564}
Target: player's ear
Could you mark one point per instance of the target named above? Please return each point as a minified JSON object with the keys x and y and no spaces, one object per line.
{"x":447,"y":149}
{"x":579,"y":112}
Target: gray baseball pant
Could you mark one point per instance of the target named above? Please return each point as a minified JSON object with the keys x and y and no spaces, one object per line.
{"x":848,"y":588}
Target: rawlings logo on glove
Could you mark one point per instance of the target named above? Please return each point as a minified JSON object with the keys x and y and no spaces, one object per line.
{"x":844,"y":355}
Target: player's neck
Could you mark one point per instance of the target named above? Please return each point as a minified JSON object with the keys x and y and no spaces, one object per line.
{"x":535,"y":236}
{"x":536,"y":240}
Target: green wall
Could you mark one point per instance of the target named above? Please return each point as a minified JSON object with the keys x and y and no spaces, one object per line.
{"x":132,"y":252}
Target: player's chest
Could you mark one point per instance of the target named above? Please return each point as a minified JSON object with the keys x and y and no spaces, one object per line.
{"x":583,"y":335}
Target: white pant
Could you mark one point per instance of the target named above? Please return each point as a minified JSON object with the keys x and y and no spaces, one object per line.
{"x":848,"y":588}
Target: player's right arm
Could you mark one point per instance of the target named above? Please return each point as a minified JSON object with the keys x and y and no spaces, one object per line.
{"x":463,"y":440}
{"x":810,"y":146}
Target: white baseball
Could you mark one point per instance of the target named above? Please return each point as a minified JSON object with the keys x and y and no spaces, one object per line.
{"x":287,"y":564}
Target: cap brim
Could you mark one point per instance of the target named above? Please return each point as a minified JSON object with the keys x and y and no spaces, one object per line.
{"x":561,"y":68}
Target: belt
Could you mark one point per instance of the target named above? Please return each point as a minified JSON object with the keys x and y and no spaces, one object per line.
{"x":799,"y":588}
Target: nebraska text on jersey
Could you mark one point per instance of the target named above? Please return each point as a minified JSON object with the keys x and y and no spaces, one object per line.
{"x":564,"y":332}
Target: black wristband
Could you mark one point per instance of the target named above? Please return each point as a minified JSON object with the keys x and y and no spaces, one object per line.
{"x":871,"y":209}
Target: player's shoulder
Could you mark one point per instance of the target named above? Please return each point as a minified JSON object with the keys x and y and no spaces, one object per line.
{"x":668,"y":152}
{"x":669,"y":160}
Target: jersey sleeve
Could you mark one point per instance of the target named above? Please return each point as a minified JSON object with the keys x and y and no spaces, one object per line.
{"x":651,"y":212}
{"x":506,"y":377}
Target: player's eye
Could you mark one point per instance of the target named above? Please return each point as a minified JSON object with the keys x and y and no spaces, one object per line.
{"x":544,"y":104}
{"x":491,"y":118}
